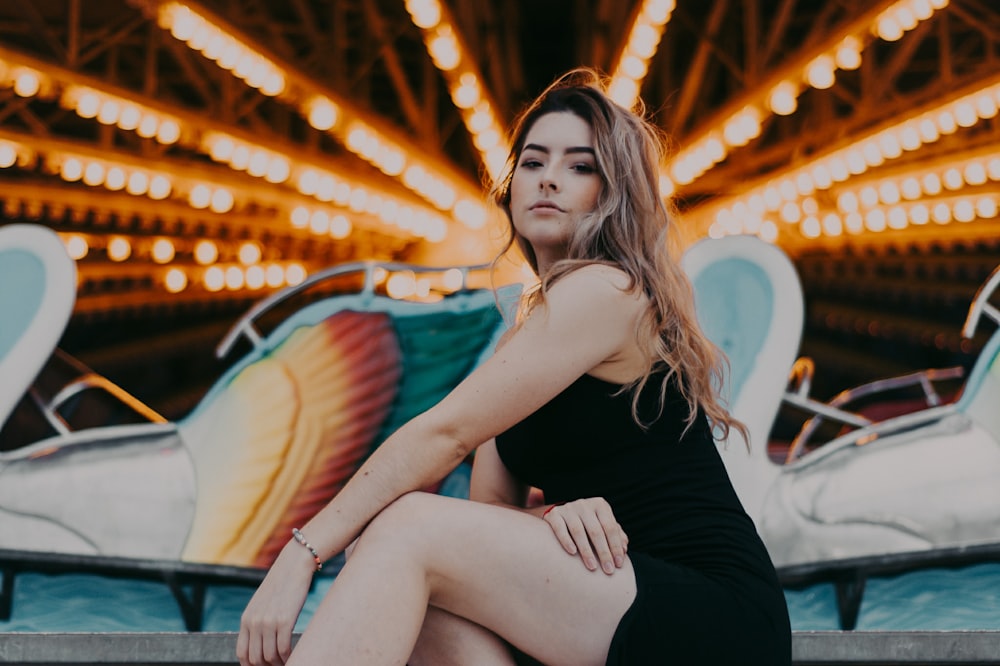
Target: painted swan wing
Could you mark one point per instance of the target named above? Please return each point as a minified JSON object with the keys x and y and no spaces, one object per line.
{"x":284,"y":434}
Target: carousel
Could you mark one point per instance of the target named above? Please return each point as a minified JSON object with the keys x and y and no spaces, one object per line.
{"x":242,"y":242}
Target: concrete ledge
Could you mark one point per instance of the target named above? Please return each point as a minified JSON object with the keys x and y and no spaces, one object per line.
{"x":823,"y":648}
{"x":870,"y":648}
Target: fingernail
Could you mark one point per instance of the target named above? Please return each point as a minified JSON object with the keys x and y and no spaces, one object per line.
{"x":608,"y":568}
{"x":619,"y":561}
{"x":591,"y":564}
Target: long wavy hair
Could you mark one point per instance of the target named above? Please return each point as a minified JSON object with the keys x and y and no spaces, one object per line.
{"x":633,"y":229}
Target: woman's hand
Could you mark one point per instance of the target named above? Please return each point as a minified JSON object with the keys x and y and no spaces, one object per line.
{"x":588,"y":527}
{"x":267,"y":623}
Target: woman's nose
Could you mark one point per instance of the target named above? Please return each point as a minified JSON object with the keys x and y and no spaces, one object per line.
{"x":549,"y":180}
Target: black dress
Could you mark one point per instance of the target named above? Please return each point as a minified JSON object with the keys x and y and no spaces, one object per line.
{"x":707,"y":590}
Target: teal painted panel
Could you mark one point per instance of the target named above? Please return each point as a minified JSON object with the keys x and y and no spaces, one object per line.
{"x":735,"y":304}
{"x":22,"y":286}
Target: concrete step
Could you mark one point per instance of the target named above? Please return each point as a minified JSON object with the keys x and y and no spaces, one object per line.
{"x":820,"y":648}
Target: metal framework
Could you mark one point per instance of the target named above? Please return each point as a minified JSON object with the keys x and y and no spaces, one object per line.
{"x":715,"y":60}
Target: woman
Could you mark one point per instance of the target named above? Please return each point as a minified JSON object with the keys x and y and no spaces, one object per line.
{"x":604,"y":396}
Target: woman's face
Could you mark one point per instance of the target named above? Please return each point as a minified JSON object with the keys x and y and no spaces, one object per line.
{"x":554,"y":184}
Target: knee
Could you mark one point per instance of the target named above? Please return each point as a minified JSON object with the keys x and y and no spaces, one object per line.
{"x":402,"y":523}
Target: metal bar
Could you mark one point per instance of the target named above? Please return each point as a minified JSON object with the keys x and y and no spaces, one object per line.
{"x":693,"y":81}
{"x":393,"y":64}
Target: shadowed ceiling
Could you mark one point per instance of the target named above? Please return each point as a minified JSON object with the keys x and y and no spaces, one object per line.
{"x":859,"y":135}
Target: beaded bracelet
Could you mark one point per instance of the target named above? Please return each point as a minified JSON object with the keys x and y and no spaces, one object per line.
{"x":308,"y":546}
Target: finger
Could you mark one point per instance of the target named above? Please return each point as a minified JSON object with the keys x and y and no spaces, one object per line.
{"x":559,"y":528}
{"x":582,"y":541}
{"x":615,"y":536}
{"x":284,"y":645}
{"x":269,"y":647}
{"x":243,"y":645}
{"x":256,"y":653}
{"x":598,"y":536}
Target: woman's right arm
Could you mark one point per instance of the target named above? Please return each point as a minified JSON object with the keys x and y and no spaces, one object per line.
{"x":492,"y":482}
{"x":586,"y":527}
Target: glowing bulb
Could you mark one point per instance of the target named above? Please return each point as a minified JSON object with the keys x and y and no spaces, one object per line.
{"x":77,"y":246}
{"x":138,"y":183}
{"x":444,"y":50}
{"x":782,"y":99}
{"x":820,"y":73}
{"x":323,"y":113}
{"x":833,"y":225}
{"x":888,"y":193}
{"x":175,"y":280}
{"x":119,"y":249}
{"x":130,"y":117}
{"x":215,"y":278}
{"x":295,"y":274}
{"x":425,"y":14}
{"x":71,"y":169}
{"x":897,"y":218}
{"x":452,"y":279}
{"x":953,"y":179}
{"x":168,"y":132}
{"x":941,"y":213}
{"x":319,"y":222}
{"x":201,"y":196}
{"x":221,"y":201}
{"x":94,"y":174}
{"x":27,"y":83}
{"x":162,"y":250}
{"x":848,"y":54}
{"x":931,"y":184}
{"x":222,"y":148}
{"x":116,"y":179}
{"x":888,"y":28}
{"x":875,"y":220}
{"x":340,"y":227}
{"x":920,"y":214}
{"x":88,"y":104}
{"x":206,"y":252}
{"x":868,"y":196}
{"x":234,"y":278}
{"x":8,"y":155}
{"x":848,"y":202}
{"x":401,"y":285}
{"x":910,"y":188}
{"x":986,"y":208}
{"x":274,"y":276}
{"x":109,"y":113}
{"x":975,"y":173}
{"x":811,"y":227}
{"x":255,"y":277}
{"x":148,"y":126}
{"x":854,"y":223}
{"x":964,"y":211}
{"x":249,"y":253}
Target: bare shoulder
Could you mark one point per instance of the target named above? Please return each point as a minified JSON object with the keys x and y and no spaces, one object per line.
{"x":599,"y":286}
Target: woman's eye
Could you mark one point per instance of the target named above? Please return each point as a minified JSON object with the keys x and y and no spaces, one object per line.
{"x":530,"y":163}
{"x":584,"y":168}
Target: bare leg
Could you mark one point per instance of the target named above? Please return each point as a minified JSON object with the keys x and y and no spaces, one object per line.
{"x":449,"y":640}
{"x":498,"y":568}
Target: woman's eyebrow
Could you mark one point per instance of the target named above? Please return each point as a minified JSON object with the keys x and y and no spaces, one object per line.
{"x":543,"y":149}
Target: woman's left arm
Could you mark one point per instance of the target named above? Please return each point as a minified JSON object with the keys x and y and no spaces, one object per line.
{"x":588,"y":317}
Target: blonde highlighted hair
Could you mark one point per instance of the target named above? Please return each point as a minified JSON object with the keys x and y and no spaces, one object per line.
{"x":633,"y":229}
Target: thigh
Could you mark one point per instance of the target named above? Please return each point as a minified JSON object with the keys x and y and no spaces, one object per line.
{"x":505,"y":570}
